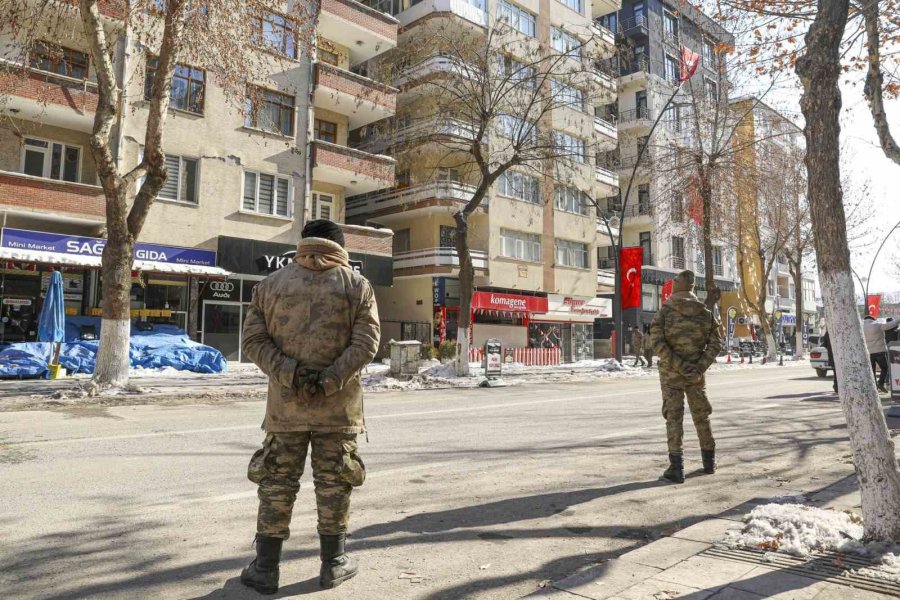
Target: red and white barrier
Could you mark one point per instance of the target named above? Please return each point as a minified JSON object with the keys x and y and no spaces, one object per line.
{"x":541,"y":357}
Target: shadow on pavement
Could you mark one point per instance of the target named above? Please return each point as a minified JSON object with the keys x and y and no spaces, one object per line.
{"x":234,"y":589}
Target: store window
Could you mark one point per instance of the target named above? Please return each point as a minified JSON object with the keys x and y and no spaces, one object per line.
{"x":54,"y":160}
{"x":159,"y":293}
{"x":266,"y":194}
{"x":188,"y":86}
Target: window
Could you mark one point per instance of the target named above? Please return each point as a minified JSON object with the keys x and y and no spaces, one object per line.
{"x":266,"y":194}
{"x":328,"y":57}
{"x":771,"y":288}
{"x":403,"y":179}
{"x":573,"y":4}
{"x":276,"y":33}
{"x":644,"y":199}
{"x":638,"y":8}
{"x":640,"y":103}
{"x":325,"y":131}
{"x":518,"y":18}
{"x":448,"y":236}
{"x":570,"y":146}
{"x":401,"y":240}
{"x":572,"y":254}
{"x":677,"y":252}
{"x":565,"y":43}
{"x":61,"y":61}
{"x":570,"y":199}
{"x":447,"y":174}
{"x":322,"y":206}
{"x":673,"y":71}
{"x":709,"y":53}
{"x":712,"y":90}
{"x":670,"y":26}
{"x":270,"y":111}
{"x":718,"y":268}
{"x":516,"y":129}
{"x":514,"y":184}
{"x":647,"y":246}
{"x":518,"y":73}
{"x":53,"y":160}
{"x":181,"y":180}
{"x":566,"y":95}
{"x":521,"y":246}
{"x":677,"y":208}
{"x":188,"y":86}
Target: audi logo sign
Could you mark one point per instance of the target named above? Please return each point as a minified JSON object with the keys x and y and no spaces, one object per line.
{"x":221,"y":290}
{"x":221,"y":286}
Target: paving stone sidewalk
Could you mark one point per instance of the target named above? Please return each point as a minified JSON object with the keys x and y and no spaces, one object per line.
{"x":690,"y":565}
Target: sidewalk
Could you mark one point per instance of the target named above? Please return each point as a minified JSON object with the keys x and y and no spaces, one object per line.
{"x":692,"y":564}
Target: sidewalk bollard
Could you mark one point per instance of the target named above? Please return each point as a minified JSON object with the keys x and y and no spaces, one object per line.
{"x":781,"y":360}
{"x":742,"y":358}
{"x":764,"y":360}
{"x":751,"y":357}
{"x":729,"y":358}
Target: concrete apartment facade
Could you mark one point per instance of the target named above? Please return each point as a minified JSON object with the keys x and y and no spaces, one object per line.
{"x":650,"y":35}
{"x":530,"y":293}
{"x":242,"y":179}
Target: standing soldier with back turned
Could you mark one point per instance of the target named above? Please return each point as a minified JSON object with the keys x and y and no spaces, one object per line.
{"x":686,"y":338}
{"x":311,"y":327}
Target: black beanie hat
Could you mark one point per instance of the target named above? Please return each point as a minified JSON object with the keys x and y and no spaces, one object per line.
{"x":323,"y":228}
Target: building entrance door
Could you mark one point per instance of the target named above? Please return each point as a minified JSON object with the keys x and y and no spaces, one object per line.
{"x":222,"y":323}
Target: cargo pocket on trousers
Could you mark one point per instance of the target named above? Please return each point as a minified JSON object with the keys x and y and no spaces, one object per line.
{"x":257,"y":470}
{"x":353,"y":470}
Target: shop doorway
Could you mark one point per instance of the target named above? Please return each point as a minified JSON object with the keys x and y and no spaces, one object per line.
{"x":222,"y":323}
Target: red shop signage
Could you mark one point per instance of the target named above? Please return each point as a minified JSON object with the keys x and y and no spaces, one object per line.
{"x":509,"y":302}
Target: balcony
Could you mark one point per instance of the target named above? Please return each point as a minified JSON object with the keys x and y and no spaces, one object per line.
{"x":601,"y":8}
{"x":607,"y":178}
{"x":433,"y":66}
{"x":639,"y":210}
{"x":606,"y":264}
{"x":365,"y":31}
{"x":419,"y":131}
{"x":607,"y":131}
{"x":634,"y":27}
{"x":626,"y":163}
{"x":20,"y":192}
{"x":48,"y":98}
{"x":363,"y":100}
{"x":604,"y":36}
{"x":473,"y":13}
{"x":445,"y":196}
{"x":432,"y":260}
{"x":358,"y":172}
{"x":641,"y":117}
{"x":636,"y":66}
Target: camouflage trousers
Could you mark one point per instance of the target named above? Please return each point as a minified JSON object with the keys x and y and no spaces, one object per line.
{"x":673,"y":413}
{"x":278,"y":466}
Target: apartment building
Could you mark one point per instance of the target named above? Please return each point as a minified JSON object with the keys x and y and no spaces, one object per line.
{"x":768,"y":145}
{"x":242,"y":180}
{"x":534,"y":239}
{"x":650,"y":35}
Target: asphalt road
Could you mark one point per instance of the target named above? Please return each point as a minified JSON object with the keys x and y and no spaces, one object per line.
{"x":471,"y":493}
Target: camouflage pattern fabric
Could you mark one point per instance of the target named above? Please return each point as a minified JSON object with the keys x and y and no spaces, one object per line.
{"x":317,"y":315}
{"x":278,"y":466}
{"x":637,"y":341}
{"x":685,"y":336}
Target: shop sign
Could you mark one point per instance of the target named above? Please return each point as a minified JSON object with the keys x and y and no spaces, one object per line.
{"x":76,"y":245}
{"x":16,"y":302}
{"x":225,"y":291}
{"x":437,"y":288}
{"x":509,"y":302}
{"x":559,"y":305}
{"x":493,"y":358}
{"x":788,"y":319}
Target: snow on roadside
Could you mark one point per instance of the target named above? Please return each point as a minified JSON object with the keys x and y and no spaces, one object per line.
{"x":801,"y":530}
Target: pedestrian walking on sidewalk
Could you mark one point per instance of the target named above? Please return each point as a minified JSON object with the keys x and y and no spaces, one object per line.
{"x":311,"y":327}
{"x":648,"y":350}
{"x":826,"y":342}
{"x":637,"y":346}
{"x":877,"y":347}
{"x":686,"y":338}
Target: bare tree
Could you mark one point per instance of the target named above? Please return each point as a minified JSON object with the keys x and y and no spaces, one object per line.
{"x":225,"y":37}
{"x":493,"y":112}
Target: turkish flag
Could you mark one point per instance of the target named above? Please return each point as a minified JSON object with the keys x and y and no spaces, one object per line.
{"x":690,"y":60}
{"x":630,"y":261}
{"x":695,"y":210}
{"x":873,"y":305}
{"x":666,"y":291}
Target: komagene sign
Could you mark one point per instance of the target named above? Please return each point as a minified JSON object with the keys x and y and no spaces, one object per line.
{"x":509,"y":302}
{"x":76,"y":245}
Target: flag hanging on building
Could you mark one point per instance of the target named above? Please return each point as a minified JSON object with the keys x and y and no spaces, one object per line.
{"x":666,"y":291}
{"x":873,"y":305}
{"x":630,"y":261}
{"x":689,"y":62}
{"x":695,"y":208}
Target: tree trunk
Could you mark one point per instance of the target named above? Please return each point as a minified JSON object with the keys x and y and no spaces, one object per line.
{"x":112,"y":356}
{"x":819,"y":70}
{"x":466,"y":289}
{"x":797,"y":275}
{"x":713,"y":293}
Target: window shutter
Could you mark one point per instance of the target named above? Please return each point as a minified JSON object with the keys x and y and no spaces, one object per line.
{"x":281,"y":207}
{"x":169,"y":190}
{"x":266,"y":193}
{"x":249,"y":191}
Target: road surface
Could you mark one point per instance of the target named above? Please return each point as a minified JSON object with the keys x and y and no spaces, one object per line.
{"x":471,"y":493}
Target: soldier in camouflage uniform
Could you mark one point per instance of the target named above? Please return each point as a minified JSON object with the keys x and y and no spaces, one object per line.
{"x":686,"y":338}
{"x":311,"y":327}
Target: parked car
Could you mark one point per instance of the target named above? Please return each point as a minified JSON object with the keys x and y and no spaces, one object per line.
{"x":818,"y":359}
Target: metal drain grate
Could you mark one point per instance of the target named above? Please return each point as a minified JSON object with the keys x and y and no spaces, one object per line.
{"x":840,"y":569}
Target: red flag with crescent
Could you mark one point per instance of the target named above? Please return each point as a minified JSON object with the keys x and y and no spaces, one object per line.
{"x":666,"y":291}
{"x":695,"y":208}
{"x":690,"y":60}
{"x":630,"y":261}
{"x":873,"y":305}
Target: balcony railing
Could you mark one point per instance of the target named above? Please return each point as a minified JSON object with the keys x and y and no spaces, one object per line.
{"x":362,"y":88}
{"x":628,"y":162}
{"x":355,"y":162}
{"x":437,"y":257}
{"x":420,"y":130}
{"x":641,"y":209}
{"x":443,"y":192}
{"x":45,"y":87}
{"x":40,"y":194}
{"x":606,"y":176}
{"x":605,"y":127}
{"x":433,"y":65}
{"x":634,"y":25}
{"x":719,"y":270}
{"x":635,"y":114}
{"x":471,"y":12}
{"x":603,"y":33}
{"x":363,"y":17}
{"x":640,"y":64}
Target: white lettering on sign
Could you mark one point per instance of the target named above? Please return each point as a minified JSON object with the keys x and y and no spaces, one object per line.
{"x":141,"y":254}
{"x":16,"y":302}
{"x":93,"y":248}
{"x":508,"y":302}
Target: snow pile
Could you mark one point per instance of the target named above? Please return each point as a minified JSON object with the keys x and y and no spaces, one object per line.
{"x":799,"y":530}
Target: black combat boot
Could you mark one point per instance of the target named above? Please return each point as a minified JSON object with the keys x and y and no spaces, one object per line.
{"x":262,"y":573}
{"x":337,"y":567}
{"x":709,"y":461}
{"x":675,"y":472}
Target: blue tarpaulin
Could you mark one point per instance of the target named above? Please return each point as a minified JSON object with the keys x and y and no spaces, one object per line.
{"x":164,"y":346}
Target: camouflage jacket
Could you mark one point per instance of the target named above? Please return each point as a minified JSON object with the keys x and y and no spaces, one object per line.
{"x":315,"y":313}
{"x":637,"y":340}
{"x":684,"y":333}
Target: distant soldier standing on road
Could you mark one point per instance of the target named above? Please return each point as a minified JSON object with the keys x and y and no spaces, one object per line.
{"x":311,"y":327}
{"x":686,"y":338}
{"x":637,"y":346}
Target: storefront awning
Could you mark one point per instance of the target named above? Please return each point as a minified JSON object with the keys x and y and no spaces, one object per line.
{"x":93,"y":262}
